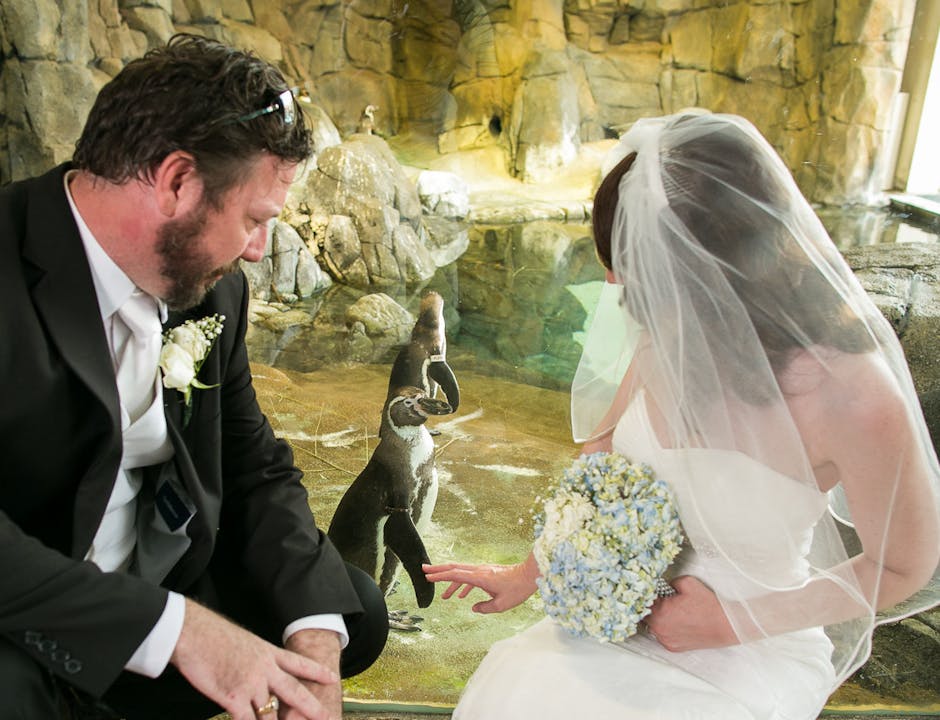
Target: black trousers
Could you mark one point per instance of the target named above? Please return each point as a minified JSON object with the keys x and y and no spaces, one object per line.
{"x":29,"y":692}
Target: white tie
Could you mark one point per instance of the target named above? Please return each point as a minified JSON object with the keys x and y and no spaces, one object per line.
{"x":135,"y":338}
{"x":139,"y":357}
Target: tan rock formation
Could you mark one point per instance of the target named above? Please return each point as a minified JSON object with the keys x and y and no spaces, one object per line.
{"x":818,"y":77}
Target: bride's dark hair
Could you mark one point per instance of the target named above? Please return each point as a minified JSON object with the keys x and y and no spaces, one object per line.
{"x":605,"y":207}
{"x":726,"y":199}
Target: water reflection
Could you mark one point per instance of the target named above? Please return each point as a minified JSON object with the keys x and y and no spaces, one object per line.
{"x":517,"y":300}
{"x":856,"y":226}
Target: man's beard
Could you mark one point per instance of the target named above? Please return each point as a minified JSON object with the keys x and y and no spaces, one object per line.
{"x":184,"y":262}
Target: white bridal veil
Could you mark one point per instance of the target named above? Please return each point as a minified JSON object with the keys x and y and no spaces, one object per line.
{"x":732,"y":309}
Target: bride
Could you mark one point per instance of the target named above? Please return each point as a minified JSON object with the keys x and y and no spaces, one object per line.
{"x":735,"y":353}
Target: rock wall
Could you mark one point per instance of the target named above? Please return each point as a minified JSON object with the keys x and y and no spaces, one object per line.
{"x":534,"y":77}
{"x":365,"y":221}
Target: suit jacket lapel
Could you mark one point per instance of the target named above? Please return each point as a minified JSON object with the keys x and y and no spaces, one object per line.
{"x":64,"y":296}
{"x":173,"y":410}
{"x":196,"y":558}
{"x":64,"y":292}
{"x":187,"y":464}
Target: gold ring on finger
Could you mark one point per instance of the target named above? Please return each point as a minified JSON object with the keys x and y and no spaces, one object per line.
{"x":270,"y":706}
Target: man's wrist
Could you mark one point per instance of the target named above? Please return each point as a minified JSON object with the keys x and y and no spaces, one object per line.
{"x":323,"y":621}
{"x":321,"y":645}
{"x":153,"y":655}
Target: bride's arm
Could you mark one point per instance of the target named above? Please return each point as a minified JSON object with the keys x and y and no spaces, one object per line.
{"x":883,"y":472}
{"x":870,"y":441}
{"x":507,"y":585}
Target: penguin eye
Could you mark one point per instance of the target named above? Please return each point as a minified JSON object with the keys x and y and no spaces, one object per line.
{"x":409,"y":402}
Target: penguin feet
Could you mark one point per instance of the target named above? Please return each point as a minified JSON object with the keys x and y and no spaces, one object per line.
{"x":403,"y":621}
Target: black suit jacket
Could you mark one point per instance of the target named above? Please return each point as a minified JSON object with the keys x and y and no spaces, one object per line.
{"x":61,"y":448}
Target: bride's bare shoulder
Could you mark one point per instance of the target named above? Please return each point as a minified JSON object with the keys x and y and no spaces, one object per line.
{"x":852,"y":399}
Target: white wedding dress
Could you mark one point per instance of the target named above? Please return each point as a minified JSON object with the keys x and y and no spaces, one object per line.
{"x":544,"y":673}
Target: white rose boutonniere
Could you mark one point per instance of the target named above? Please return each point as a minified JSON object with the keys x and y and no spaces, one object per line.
{"x":185,"y":348}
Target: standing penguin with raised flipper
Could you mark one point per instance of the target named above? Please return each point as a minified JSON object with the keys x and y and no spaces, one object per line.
{"x":423,"y":361}
{"x":378,"y":521}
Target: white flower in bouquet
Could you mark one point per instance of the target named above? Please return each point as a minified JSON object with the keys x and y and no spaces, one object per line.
{"x":603,"y":541}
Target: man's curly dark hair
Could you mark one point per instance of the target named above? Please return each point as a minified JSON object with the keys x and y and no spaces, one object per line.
{"x":188,"y":96}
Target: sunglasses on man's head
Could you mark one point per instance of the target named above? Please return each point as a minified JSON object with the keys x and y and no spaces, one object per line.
{"x":284,"y":104}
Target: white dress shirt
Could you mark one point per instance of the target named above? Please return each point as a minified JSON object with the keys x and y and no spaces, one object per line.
{"x":113,"y":544}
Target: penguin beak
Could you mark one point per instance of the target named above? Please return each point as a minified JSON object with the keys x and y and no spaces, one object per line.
{"x":433,"y":406}
{"x":439,"y":371}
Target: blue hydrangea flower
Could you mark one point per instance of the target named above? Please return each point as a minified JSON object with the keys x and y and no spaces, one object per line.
{"x":608,"y":531}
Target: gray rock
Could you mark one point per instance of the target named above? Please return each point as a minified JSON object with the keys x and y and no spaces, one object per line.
{"x":904,"y":282}
{"x":286,"y":246}
{"x":359,"y":171}
{"x":341,"y":251}
{"x":282,"y":320}
{"x":259,"y":277}
{"x":379,"y":243}
{"x":359,"y":347}
{"x":32,"y":28}
{"x":445,"y":239}
{"x":367,"y":39}
{"x":384,"y":268}
{"x":310,"y":276}
{"x":381,"y":317}
{"x":288,"y":270}
{"x":414,"y":258}
{"x":41,"y":134}
{"x":237,"y":10}
{"x":325,"y":134}
{"x":202,"y":11}
{"x":541,"y":246}
{"x":444,"y":193}
{"x":817,"y":78}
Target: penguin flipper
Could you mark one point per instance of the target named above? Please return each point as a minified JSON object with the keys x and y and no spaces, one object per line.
{"x":440,"y":372}
{"x":401,"y":536}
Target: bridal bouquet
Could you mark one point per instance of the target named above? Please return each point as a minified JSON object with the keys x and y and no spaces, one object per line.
{"x":603,"y":541}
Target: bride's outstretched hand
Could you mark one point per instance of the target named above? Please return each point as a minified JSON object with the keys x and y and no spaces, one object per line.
{"x":691,"y":619}
{"x":507,"y":585}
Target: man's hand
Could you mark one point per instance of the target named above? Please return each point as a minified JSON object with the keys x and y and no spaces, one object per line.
{"x":323,"y":647}
{"x":240,"y":671}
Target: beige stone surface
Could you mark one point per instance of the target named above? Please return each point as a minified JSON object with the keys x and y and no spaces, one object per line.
{"x":451,"y":69}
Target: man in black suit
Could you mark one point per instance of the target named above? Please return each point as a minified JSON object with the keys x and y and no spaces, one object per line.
{"x":131,"y":531}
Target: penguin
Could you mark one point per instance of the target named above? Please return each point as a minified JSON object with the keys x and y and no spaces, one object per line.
{"x":378,"y":521}
{"x":367,"y":120}
{"x":422,"y":362}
